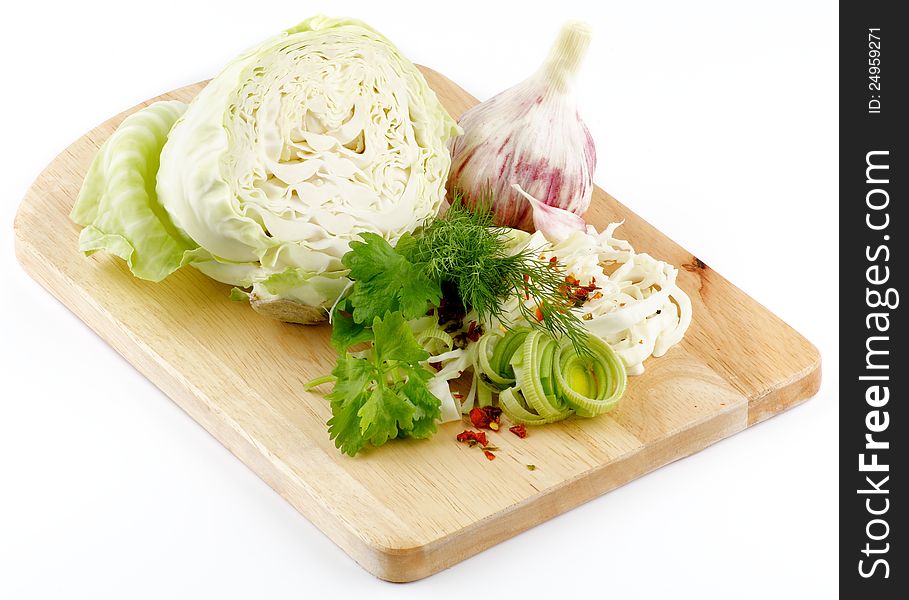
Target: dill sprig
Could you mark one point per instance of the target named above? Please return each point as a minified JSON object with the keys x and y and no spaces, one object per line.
{"x":467,"y":249}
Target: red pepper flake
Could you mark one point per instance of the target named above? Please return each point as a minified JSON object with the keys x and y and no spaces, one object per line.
{"x":489,"y":455}
{"x":474,"y":331}
{"x":576,"y":293}
{"x":553,"y":261}
{"x":472,"y":438}
{"x":539,"y":314}
{"x":519,"y":430}
{"x":481,"y":417}
{"x":478,"y":418}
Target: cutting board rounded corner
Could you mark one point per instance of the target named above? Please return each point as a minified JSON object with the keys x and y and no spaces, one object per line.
{"x":801,"y":387}
{"x":401,"y":563}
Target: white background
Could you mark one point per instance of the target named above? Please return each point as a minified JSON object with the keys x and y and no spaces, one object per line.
{"x":716,"y":121}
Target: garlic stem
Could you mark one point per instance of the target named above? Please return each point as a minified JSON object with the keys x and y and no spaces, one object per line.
{"x":565,"y":57}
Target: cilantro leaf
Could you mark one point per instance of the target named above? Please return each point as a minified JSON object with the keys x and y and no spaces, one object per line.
{"x":385,"y":281}
{"x":348,"y":396}
{"x":427,"y":407}
{"x":345,"y":332}
{"x":383,"y":395}
{"x":385,"y":413}
{"x":395,"y":341}
{"x":352,"y":377}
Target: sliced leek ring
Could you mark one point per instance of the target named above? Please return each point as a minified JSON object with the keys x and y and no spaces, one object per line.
{"x":601,"y":377}
{"x":512,"y":406}
{"x":435,"y":340}
{"x":484,"y":354}
{"x":541,"y":380}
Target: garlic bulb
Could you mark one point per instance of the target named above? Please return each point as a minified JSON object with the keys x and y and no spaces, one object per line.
{"x":530,"y":135}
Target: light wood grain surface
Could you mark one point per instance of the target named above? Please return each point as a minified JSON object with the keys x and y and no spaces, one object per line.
{"x":411,"y":508}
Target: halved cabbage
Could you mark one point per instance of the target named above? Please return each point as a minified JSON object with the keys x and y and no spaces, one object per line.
{"x":299,"y":145}
{"x":294,"y":149}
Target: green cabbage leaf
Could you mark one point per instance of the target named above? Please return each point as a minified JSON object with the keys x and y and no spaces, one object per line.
{"x":118,"y":206}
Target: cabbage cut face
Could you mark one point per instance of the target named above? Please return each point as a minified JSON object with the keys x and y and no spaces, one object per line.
{"x":295,"y":148}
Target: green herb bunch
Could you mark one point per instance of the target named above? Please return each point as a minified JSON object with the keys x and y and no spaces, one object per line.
{"x":467,"y":249}
{"x":382,"y":393}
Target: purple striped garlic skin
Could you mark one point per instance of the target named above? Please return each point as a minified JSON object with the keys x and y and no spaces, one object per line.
{"x":530,"y":135}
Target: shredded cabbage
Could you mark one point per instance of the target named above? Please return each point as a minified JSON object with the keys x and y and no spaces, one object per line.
{"x":638,"y":309}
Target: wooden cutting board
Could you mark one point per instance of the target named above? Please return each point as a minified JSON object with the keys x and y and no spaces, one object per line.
{"x":411,"y":508}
